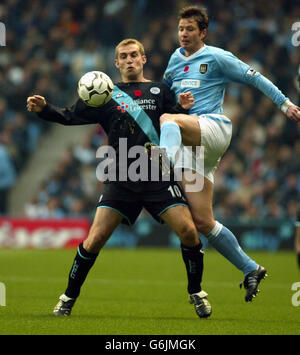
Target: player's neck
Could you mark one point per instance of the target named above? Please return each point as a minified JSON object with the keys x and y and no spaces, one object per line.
{"x":188,"y":53}
{"x":139,"y":79}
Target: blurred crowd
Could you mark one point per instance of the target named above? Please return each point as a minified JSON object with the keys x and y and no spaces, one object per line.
{"x":51,"y":43}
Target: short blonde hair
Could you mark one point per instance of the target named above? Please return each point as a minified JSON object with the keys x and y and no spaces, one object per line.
{"x":128,"y":41}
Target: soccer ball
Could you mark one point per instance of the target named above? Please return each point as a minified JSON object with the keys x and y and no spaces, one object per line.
{"x":95,"y":88}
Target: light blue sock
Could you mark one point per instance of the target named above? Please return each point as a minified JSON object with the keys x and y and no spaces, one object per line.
{"x":170,"y":139}
{"x":224,"y":241}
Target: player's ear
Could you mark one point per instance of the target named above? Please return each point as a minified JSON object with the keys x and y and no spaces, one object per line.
{"x":203,"y":33}
{"x":144,"y":59}
{"x":117,"y":63}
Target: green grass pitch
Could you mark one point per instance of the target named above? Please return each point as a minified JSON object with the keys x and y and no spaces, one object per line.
{"x":143,"y":292}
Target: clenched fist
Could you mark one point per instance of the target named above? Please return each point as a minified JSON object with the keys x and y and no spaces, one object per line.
{"x":186,"y":100}
{"x":36,"y":103}
{"x":293,"y":112}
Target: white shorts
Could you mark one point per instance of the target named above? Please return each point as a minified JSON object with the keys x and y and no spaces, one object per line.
{"x":216,"y":132}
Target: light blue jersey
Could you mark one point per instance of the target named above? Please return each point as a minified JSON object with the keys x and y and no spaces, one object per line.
{"x":206,"y":74}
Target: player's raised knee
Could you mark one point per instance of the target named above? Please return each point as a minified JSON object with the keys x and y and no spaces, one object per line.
{"x":167,"y":117}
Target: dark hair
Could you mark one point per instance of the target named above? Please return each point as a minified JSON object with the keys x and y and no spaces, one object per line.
{"x":197,"y":13}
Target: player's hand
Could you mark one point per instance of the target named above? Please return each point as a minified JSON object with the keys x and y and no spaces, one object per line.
{"x":186,"y":100}
{"x":36,"y":103}
{"x":293,"y":112}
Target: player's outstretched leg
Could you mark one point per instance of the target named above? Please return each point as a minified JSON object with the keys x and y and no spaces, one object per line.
{"x":105,"y":222}
{"x":193,"y":259}
{"x":226,"y":243}
{"x":64,"y":306}
{"x":83,"y":262}
{"x":251,"y":282}
{"x":201,"y":304}
{"x":180,"y":220}
{"x":170,"y":137}
{"x":220,"y":237}
{"x":159,"y":156}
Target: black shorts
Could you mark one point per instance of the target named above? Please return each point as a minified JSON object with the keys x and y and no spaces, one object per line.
{"x":129,"y":204}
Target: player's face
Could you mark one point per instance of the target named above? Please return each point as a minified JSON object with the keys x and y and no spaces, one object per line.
{"x":189,"y":35}
{"x":130,"y":62}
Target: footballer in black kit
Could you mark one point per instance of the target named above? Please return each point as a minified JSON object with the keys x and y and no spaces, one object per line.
{"x":132,"y":113}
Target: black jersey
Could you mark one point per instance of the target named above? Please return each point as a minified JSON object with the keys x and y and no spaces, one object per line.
{"x":133,"y":113}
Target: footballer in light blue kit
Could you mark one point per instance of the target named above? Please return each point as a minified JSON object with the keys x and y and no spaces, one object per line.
{"x":202,"y":72}
{"x":206,"y":74}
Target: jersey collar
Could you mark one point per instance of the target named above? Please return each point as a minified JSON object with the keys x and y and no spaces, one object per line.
{"x":181,"y":55}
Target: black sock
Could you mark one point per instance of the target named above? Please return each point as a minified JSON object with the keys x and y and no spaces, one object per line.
{"x":298,"y":259}
{"x":81,"y":266}
{"x":193,"y":259}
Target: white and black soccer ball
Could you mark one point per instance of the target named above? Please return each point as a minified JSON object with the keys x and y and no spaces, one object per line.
{"x":95,"y":88}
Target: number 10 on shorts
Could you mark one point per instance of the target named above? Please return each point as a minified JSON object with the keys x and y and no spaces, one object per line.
{"x":175,"y":191}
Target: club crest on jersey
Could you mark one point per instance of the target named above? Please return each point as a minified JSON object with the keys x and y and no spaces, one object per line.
{"x":155,"y":90}
{"x":203,"y":68}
